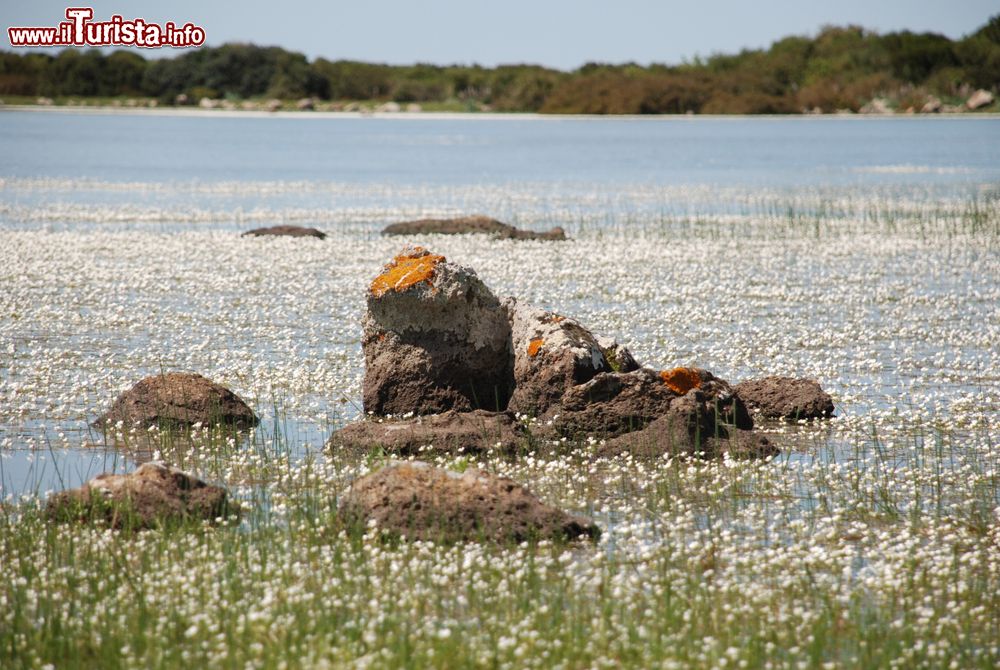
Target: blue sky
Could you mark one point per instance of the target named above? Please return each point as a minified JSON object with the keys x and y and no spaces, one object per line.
{"x":557,"y":33}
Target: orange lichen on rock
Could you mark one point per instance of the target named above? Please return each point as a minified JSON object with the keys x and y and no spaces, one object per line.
{"x":534,"y":346}
{"x":407,"y":269}
{"x":681,"y":380}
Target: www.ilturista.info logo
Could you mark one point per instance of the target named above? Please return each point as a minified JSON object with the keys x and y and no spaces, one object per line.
{"x":79,"y":30}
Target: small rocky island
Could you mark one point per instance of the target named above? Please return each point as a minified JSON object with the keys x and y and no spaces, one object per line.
{"x":450,"y":369}
{"x":466,"y":225}
{"x":285,"y":231}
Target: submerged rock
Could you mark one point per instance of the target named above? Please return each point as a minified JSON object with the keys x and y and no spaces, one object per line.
{"x":422,"y":502}
{"x":286,"y":231}
{"x":178,"y":399}
{"x":786,"y":398}
{"x":434,"y":339}
{"x":450,"y":432}
{"x":154,"y":495}
{"x":470,"y":224}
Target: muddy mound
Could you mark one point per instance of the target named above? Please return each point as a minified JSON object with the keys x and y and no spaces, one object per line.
{"x":434,"y":339}
{"x":483,"y":225}
{"x":286,"y":231}
{"x":154,"y":495}
{"x":422,"y":502}
{"x":786,"y":398}
{"x":448,"y":433}
{"x":178,"y":399}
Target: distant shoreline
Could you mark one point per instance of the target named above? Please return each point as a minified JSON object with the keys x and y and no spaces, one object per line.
{"x":484,"y":116}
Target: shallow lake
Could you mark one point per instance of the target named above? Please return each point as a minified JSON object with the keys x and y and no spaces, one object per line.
{"x":861,"y":251}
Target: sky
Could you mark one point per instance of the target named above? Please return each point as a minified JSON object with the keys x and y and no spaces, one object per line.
{"x":558,"y":33}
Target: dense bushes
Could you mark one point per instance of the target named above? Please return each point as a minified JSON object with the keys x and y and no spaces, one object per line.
{"x":841,"y":68}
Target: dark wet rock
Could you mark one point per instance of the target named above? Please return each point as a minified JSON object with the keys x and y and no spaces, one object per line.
{"x":470,"y":224}
{"x":421,"y":502}
{"x":286,"y":231}
{"x":434,"y":339}
{"x":614,"y":403}
{"x":178,"y":399}
{"x":690,"y":429}
{"x":711,"y":390}
{"x":611,"y":403}
{"x":786,"y":398}
{"x":450,"y":432}
{"x":552,"y":354}
{"x":154,"y":495}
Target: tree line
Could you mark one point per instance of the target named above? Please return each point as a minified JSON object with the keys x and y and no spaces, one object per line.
{"x":839,"y":68}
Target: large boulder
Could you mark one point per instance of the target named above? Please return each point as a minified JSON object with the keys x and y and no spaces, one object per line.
{"x":154,"y":495}
{"x":470,"y":224}
{"x":552,"y":354}
{"x":450,"y":432}
{"x":286,"y":231}
{"x":422,"y":502}
{"x":786,"y":398}
{"x":178,"y":399}
{"x":434,"y":339}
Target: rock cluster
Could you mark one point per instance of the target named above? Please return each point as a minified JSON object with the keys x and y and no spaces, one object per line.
{"x":448,"y":366}
{"x":178,"y":399}
{"x":154,"y":495}
{"x":471,"y":224}
{"x":422,"y":502}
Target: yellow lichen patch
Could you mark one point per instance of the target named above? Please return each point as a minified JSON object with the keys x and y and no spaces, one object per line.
{"x":406,"y":270}
{"x":553,"y":318}
{"x":681,"y":380}
{"x":534,"y":346}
